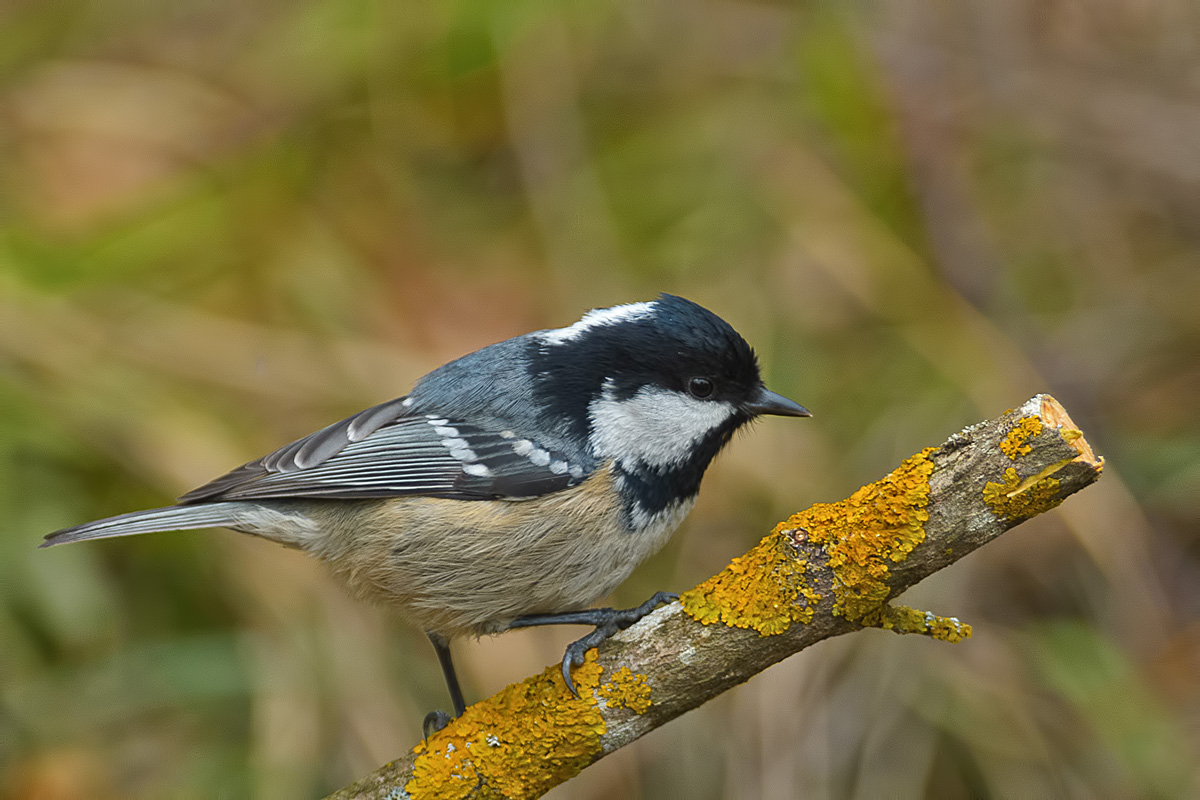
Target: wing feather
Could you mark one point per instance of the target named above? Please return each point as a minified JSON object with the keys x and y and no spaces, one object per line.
{"x":388,"y":451}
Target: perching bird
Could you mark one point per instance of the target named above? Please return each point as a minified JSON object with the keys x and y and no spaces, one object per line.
{"x":513,"y":486}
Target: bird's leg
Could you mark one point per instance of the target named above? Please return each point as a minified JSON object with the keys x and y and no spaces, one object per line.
{"x":436,"y":720}
{"x":607,"y":621}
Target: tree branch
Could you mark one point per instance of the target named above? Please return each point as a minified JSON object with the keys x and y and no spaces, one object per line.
{"x":828,"y":570}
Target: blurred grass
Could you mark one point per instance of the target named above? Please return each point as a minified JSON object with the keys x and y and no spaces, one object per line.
{"x":223,"y":225}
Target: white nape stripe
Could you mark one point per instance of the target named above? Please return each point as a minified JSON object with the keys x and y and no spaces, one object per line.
{"x":656,"y":427}
{"x":597,"y":317}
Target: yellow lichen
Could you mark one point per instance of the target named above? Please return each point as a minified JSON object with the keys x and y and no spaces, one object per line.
{"x":881,"y":522}
{"x":531,"y":736}
{"x":903,"y":619}
{"x":948,"y":629}
{"x":766,"y":589}
{"x":626,"y":689}
{"x":761,"y":590}
{"x":1016,"y":443}
{"x":1019,"y":498}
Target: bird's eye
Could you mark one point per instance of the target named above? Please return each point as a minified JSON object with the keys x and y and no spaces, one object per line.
{"x":700,"y":388}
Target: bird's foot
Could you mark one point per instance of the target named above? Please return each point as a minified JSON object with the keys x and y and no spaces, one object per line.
{"x":608,"y":621}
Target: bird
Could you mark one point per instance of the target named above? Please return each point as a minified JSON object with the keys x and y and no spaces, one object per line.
{"x":514,"y":486}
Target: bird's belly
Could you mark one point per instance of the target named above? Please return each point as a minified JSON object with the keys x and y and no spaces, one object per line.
{"x":456,"y":567}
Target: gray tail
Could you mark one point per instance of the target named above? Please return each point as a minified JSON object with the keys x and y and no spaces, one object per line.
{"x":172,"y":518}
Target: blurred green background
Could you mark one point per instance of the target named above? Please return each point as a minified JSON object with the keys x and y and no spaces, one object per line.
{"x":223,"y":225}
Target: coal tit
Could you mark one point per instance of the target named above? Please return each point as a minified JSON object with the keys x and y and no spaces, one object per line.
{"x":513,"y":486}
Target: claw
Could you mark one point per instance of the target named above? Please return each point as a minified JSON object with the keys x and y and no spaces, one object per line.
{"x":568,"y":662}
{"x":613,"y":620}
{"x":577,"y":650}
{"x":607,"y":621}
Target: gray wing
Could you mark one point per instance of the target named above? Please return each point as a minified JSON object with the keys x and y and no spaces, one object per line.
{"x":387,"y":451}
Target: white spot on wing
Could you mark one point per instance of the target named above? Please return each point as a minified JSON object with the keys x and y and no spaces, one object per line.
{"x":541,"y":457}
{"x":477,"y":469}
{"x":597,"y":317}
{"x":458,"y":447}
{"x":445,"y":430}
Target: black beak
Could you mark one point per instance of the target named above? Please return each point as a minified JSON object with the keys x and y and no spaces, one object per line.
{"x":767,"y":402}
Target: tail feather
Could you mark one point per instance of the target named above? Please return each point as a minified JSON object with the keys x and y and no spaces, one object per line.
{"x":172,"y":518}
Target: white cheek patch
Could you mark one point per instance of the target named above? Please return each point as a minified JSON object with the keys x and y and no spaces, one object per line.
{"x":656,"y":427}
{"x":596,"y":318}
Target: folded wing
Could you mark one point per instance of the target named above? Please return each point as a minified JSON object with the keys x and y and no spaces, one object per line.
{"x":387,"y":451}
